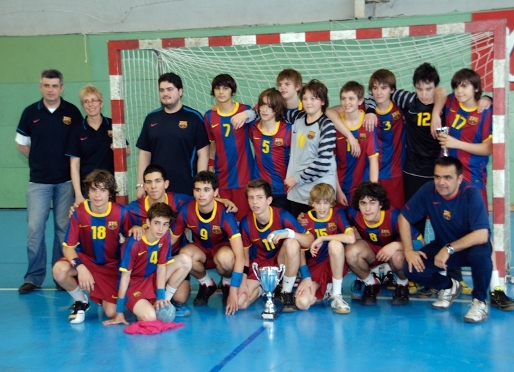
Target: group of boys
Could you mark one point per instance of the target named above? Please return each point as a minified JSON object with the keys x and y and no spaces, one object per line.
{"x":155,"y":264}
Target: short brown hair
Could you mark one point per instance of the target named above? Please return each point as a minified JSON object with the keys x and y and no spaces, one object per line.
{"x":275,"y":101}
{"x":382,"y":76}
{"x":161,"y":210}
{"x":259,"y":184}
{"x":471,"y":76}
{"x":318,"y":90}
{"x":353,"y":86}
{"x":290,"y":74}
{"x":100,"y":176}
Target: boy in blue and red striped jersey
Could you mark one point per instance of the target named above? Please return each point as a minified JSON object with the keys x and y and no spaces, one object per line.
{"x":271,"y":139}
{"x":326,"y":258}
{"x":216,"y":242}
{"x":390,"y":135}
{"x":230,"y":154}
{"x":271,"y":236}
{"x":147,"y":266}
{"x":378,"y":241}
{"x":92,"y":249}
{"x":351,"y":171}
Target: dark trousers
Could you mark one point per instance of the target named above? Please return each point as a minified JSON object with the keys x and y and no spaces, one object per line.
{"x":477,"y":257}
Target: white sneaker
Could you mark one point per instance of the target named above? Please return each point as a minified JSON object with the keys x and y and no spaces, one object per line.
{"x":339,"y":305}
{"x":78,"y":311}
{"x":477,"y":313}
{"x":446,"y":296}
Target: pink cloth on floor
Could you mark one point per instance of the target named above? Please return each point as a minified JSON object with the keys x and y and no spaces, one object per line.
{"x":151,"y":327}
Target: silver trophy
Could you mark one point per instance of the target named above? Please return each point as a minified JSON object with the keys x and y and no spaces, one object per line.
{"x":269,"y":277}
{"x":445,"y":131}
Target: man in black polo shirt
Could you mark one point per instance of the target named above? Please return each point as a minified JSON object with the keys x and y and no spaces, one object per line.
{"x":41,"y":136}
{"x":173,"y":137}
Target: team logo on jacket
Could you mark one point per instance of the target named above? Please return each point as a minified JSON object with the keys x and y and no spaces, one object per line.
{"x":385,"y":232}
{"x":279,"y":142}
{"x":447,"y":215}
{"x":112,"y":225}
{"x":397,"y":115}
{"x":331,"y":226}
{"x":109,"y":133}
{"x":182,"y":124}
{"x":362,"y":136}
{"x":311,"y":135}
{"x":473,"y":120}
{"x":66,"y":120}
{"x":216,"y":229}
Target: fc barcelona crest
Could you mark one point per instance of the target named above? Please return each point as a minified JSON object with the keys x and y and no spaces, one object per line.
{"x":109,"y":133}
{"x":331,"y":226}
{"x":182,"y":124}
{"x":279,"y":141}
{"x":160,"y":245}
{"x":362,"y":136}
{"x":397,"y":115}
{"x":311,"y":135}
{"x":216,"y":229}
{"x":112,"y":225}
{"x":473,"y":120}
{"x":447,"y":215}
{"x":385,"y":232}
{"x":66,"y":120}
{"x":136,"y":294}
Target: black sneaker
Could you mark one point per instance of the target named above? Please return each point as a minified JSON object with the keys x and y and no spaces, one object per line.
{"x":389,"y":281}
{"x":204,"y":292}
{"x":225,"y":290}
{"x":218,"y":288}
{"x":78,"y":311}
{"x":277,"y":292}
{"x":427,"y":292}
{"x":369,"y":297}
{"x":500,"y":300}
{"x":401,"y":295}
{"x":288,"y":303}
{"x":26,"y":288}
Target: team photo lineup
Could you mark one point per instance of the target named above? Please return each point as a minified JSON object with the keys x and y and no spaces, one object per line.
{"x":313,"y":188}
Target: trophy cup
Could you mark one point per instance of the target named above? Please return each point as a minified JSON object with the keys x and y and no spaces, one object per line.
{"x":445,"y":131}
{"x":269,"y":277}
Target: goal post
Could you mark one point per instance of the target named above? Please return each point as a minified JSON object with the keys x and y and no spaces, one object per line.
{"x":332,"y":56}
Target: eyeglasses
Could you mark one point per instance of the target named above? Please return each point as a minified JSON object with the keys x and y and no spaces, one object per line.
{"x":94,"y":101}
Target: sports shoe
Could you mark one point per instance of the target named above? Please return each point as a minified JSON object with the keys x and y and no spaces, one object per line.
{"x":288,"y":303}
{"x":477,"y":313}
{"x":500,"y":300}
{"x":78,"y":311}
{"x":446,"y":296}
{"x":225,"y":290}
{"x":181,"y":309}
{"x":204,"y":292}
{"x":218,"y":288}
{"x":26,"y":288}
{"x":339,"y":305}
{"x":426,"y":292}
{"x":389,"y":281}
{"x":401,"y":295}
{"x":369,"y":297}
{"x":357,"y":289}
{"x":413,"y":287}
{"x":277,"y":292}
{"x":466,"y":290}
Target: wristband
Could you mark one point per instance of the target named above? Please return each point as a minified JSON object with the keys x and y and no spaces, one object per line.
{"x":138,"y":185}
{"x":75,"y":262}
{"x":246,"y":270}
{"x":236,"y":279}
{"x":290,"y":233}
{"x":210,"y":163}
{"x":161,"y":294}
{"x":120,"y":305}
{"x":304,"y":271}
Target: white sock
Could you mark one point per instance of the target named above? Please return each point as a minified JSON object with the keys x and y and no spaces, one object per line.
{"x":206,"y":280}
{"x":288,"y":283}
{"x":170,"y":291}
{"x":336,"y":286}
{"x":370,"y":280}
{"x":495,"y":280}
{"x":78,"y":295}
{"x":226,"y":281}
{"x":403,"y":282}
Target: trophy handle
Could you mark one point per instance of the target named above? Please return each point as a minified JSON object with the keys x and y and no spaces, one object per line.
{"x":255,"y":267}
{"x":282,"y":271}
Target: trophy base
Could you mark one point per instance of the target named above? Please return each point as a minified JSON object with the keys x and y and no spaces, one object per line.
{"x":269,"y":316}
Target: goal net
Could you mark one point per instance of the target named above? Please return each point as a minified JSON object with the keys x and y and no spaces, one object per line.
{"x":334,"y":57}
